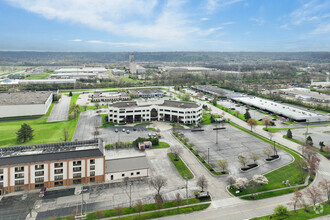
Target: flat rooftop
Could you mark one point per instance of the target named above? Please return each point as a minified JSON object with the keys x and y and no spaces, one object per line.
{"x":126,"y":164}
{"x":49,"y":152}
{"x":146,"y":91}
{"x":167,"y":103}
{"x":85,"y":69}
{"x":24,"y":98}
{"x":306,"y":92}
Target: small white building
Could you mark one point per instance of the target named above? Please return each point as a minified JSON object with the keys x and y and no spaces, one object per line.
{"x":131,"y":167}
{"x":25,"y":103}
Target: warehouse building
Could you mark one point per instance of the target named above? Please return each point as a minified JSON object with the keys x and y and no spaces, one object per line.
{"x":25,"y":103}
{"x":164,"y":110}
{"x":79,"y":73}
{"x":51,"y":165}
{"x":146,"y":93}
{"x":131,"y":167}
{"x":288,"y":111}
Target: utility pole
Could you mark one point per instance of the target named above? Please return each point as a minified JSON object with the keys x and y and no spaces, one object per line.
{"x":275,"y":152}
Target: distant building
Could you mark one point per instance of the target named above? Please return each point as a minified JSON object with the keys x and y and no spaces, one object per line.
{"x":117,"y":72}
{"x":174,"y":111}
{"x":135,"y":68}
{"x":288,"y":111}
{"x":185,"y":69}
{"x":131,"y":167}
{"x":305,"y":95}
{"x":37,"y":81}
{"x":109,"y":96}
{"x":25,"y":103}
{"x":146,"y":93}
{"x":50,"y":165}
{"x":79,"y":73}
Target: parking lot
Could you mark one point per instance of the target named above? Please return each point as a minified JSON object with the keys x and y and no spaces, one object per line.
{"x":124,"y":133}
{"x":231,"y":144}
{"x":317,"y":134}
{"x":60,"y":111}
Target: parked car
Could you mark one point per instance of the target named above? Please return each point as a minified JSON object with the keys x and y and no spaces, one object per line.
{"x":42,"y":192}
{"x":134,"y":129}
{"x":116,"y":130}
{"x":123,"y":129}
{"x":203,"y":195}
{"x":127,"y":131}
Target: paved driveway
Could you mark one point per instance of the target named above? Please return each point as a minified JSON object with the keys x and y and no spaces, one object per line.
{"x":60,"y":111}
{"x":86,"y":125}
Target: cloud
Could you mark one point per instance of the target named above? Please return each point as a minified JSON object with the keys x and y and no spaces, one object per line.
{"x":258,"y":21}
{"x":76,"y":40}
{"x":311,"y":11}
{"x":212,"y":5}
{"x":204,"y":19}
{"x":120,"y":44}
{"x":321,"y":29}
{"x":285,"y":26}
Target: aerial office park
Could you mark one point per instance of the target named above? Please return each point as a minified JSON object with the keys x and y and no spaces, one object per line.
{"x":225,"y":148}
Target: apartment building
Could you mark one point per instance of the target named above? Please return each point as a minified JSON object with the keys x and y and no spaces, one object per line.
{"x":51,"y":165}
{"x":165,"y":110}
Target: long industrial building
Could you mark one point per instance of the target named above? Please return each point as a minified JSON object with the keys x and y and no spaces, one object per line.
{"x":164,"y":110}
{"x":25,"y":103}
{"x":287,"y":111}
{"x":79,"y":73}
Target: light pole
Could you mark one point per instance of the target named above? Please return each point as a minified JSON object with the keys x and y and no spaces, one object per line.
{"x":208,"y":155}
{"x":130,"y":194}
{"x":186,"y":177}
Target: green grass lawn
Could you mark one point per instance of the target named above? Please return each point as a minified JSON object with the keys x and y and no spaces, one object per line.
{"x":161,"y":145}
{"x":207,"y":119}
{"x":132,"y":210}
{"x":180,"y":166}
{"x":39,"y":75}
{"x":43,"y":132}
{"x":301,"y":214}
{"x":50,"y":109}
{"x":273,"y":193}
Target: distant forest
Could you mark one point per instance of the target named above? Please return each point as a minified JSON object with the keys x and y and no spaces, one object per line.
{"x":75,"y":58}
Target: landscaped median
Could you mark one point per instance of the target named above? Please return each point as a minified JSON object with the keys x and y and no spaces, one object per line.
{"x":177,"y":135}
{"x":322,"y":209}
{"x":290,"y":172}
{"x":148,"y":211}
{"x":180,"y":166}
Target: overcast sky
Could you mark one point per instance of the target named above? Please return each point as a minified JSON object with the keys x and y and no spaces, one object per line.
{"x":160,"y":25}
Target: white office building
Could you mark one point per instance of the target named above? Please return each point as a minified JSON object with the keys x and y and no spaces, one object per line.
{"x":163,"y":110}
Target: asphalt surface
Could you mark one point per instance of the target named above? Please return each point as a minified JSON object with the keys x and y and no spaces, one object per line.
{"x":60,"y":111}
{"x":88,"y":121}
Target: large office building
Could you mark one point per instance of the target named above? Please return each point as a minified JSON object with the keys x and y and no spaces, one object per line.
{"x":146,"y":93}
{"x":164,"y":110}
{"x":109,"y":96}
{"x":25,"y":103}
{"x":50,"y":165}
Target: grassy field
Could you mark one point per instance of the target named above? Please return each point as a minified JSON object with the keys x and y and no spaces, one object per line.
{"x":301,"y":214}
{"x":181,"y":167}
{"x":43,"y":132}
{"x":161,"y":145}
{"x":207,"y":119}
{"x":275,"y":178}
{"x":132,"y":210}
{"x":39,"y":75}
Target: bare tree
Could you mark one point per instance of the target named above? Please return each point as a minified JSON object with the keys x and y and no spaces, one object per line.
{"x":159,"y":202}
{"x":230,"y":180}
{"x":267,"y":122}
{"x":313,"y":163}
{"x":66,"y":135}
{"x":202,"y":183}
{"x":176,"y":151}
{"x":301,"y":166}
{"x":297,"y":199}
{"x":255,"y":157}
{"x":139,"y":206}
{"x":243,"y":161}
{"x":268,"y":151}
{"x":178,"y":200}
{"x":223,"y":164}
{"x":270,"y":135}
{"x":325,"y":186}
{"x":252,"y":123}
{"x":158,"y":182}
{"x":313,"y":194}
{"x":308,"y":152}
{"x":119,"y":211}
{"x":97,"y":105}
